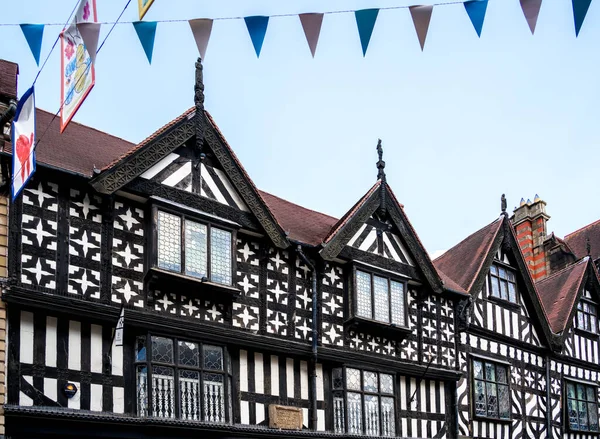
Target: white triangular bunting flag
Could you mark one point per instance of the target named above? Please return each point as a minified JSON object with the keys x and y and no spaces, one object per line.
{"x":90,"y":33}
{"x":201,"y":28}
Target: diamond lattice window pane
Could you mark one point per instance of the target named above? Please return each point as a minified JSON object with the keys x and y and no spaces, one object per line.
{"x":382,"y":299}
{"x":196,"y":256}
{"x":501,"y":374}
{"x":220,"y":256}
{"x":480,"y":401}
{"x":397,"y":295}
{"x":140,"y":348}
{"x":503,"y":402}
{"x":338,"y":380}
{"x":372,"y":415}
{"x":213,"y":357}
{"x":478,"y":369}
{"x":363,"y":294}
{"x":492,"y":400}
{"x":354,"y":407}
{"x":189,"y":354}
{"x":370,"y":382}
{"x":169,"y":241}
{"x":583,"y":415}
{"x":353,"y":379}
{"x":593,"y":411}
{"x":387,"y":383}
{"x":162,"y":349}
{"x":388,"y":421}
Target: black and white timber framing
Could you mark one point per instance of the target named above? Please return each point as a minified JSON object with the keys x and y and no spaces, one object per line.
{"x":82,"y":250}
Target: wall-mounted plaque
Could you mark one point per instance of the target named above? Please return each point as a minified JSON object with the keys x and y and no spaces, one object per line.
{"x":284,"y":417}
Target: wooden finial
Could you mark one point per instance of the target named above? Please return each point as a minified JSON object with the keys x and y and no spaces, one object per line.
{"x":503,"y":204}
{"x":199,"y":102}
{"x":380,"y":163}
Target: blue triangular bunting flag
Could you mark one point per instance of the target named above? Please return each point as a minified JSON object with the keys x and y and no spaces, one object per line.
{"x":257,"y":28}
{"x":476,"y":11}
{"x":580,"y":9}
{"x":146,"y":31}
{"x":34,"y":34}
{"x":365,"y":21}
{"x":23,"y":139}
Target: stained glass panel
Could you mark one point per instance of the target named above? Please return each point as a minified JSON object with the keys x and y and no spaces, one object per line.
{"x":480,"y":401}
{"x":363,"y":294}
{"x":370,"y":382}
{"x":492,"y":400}
{"x":478,"y":369}
{"x":382,"y":299}
{"x":196,"y":257}
{"x":397,"y":296}
{"x":573,"y":419}
{"x":583,"y":415}
{"x":501,"y":374}
{"x":593,"y":413}
{"x":220,"y":256}
{"x":169,"y":241}
{"x":490,"y":372}
{"x":140,"y":348}
{"x":213,"y":357}
{"x":162,"y":349}
{"x":387,"y":383}
{"x":503,"y":402}
{"x":338,"y":379}
{"x":353,"y":379}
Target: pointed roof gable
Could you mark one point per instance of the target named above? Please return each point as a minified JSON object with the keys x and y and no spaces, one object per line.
{"x":577,"y":240}
{"x":468,"y":263}
{"x":380,"y":196}
{"x":560,"y":293}
{"x":463,"y":262}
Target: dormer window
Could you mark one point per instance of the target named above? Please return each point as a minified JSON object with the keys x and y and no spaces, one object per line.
{"x":503,"y":283}
{"x":587,"y":316}
{"x":380,"y":298}
{"x":194,"y":249}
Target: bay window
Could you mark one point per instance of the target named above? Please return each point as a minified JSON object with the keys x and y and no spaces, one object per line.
{"x":193,"y":248}
{"x":363,"y":402}
{"x":182,"y":379}
{"x":380,"y":298}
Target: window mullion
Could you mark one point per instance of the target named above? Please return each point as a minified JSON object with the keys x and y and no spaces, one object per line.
{"x":201,"y":382}
{"x":208,"y":251}
{"x":372,"y":296}
{"x":389,"y":291}
{"x":176,"y":399}
{"x":182,"y":238}
{"x":149,"y":384}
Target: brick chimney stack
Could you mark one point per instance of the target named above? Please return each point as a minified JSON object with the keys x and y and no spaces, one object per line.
{"x":529,"y":221}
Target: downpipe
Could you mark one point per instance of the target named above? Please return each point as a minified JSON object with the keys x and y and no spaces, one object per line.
{"x":313,"y":372}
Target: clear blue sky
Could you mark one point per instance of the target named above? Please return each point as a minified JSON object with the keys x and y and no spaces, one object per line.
{"x":462,"y":122}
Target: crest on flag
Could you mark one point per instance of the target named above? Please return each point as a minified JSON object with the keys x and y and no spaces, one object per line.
{"x":77,"y":70}
{"x":23,"y":139}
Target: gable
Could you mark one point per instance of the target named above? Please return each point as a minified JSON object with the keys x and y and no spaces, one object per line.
{"x":379,"y":237}
{"x":176,"y":170}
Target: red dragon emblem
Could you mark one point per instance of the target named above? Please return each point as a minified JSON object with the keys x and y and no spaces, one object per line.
{"x":24,"y":146}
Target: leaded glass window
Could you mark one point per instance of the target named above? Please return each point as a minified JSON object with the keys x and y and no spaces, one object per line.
{"x":182,"y":379}
{"x":503,"y":283}
{"x":363,"y":402}
{"x":582,"y":407}
{"x":194,"y":249}
{"x":380,"y":298}
{"x":491,"y":394}
{"x":587,"y":316}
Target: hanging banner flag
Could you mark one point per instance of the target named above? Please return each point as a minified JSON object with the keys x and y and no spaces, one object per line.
{"x":146,"y":31}
{"x":421,"y":16}
{"x":311,"y":23}
{"x":257,"y":28}
{"x":580,"y":9}
{"x":90,"y":33}
{"x":201,"y":29}
{"x":119,"y":328}
{"x":23,"y":140}
{"x":34,"y":34}
{"x":476,"y":11}
{"x":143,"y":6}
{"x":365,"y":21}
{"x":531,"y":10}
{"x":77,"y":71}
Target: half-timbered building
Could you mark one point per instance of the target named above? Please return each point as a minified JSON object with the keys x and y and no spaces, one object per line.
{"x":243,"y":314}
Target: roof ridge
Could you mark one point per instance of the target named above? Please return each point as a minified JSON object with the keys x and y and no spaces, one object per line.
{"x":562,"y":270}
{"x":298,"y":205}
{"x":89,"y":127}
{"x":582,"y":228}
{"x":463,"y":240}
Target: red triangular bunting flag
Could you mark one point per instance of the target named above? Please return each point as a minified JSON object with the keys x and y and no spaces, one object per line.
{"x":201,"y":28}
{"x":421,"y":16}
{"x":531,"y":9}
{"x":311,"y":23}
{"x":90,"y":32}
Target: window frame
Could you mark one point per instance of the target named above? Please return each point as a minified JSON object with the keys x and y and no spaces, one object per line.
{"x":496,"y":277}
{"x":472,"y":379}
{"x":226,"y":372}
{"x":565,"y":404}
{"x":199,"y":219}
{"x":372,"y":272}
{"x":587,"y":315}
{"x":362,"y":392}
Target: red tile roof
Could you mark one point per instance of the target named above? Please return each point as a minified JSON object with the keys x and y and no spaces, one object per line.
{"x":8,"y":80}
{"x":577,"y":241}
{"x":449,"y":283}
{"x":463,"y":262}
{"x":558,"y":293}
{"x":304,"y":225}
{"x":78,"y":149}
